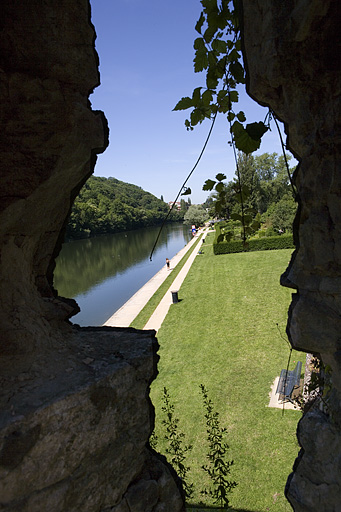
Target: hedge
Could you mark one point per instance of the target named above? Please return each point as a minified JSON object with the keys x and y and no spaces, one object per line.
{"x":259,"y":244}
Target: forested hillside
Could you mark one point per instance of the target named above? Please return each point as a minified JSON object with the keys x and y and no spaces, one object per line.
{"x":107,"y":205}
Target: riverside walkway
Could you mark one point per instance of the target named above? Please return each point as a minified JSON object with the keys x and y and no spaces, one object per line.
{"x":126,"y":314}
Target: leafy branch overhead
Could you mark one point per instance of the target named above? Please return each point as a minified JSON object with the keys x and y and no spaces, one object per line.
{"x":240,"y":194}
{"x":218,"y":54}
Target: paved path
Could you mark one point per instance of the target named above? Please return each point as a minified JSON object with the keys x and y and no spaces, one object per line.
{"x":275,"y":401}
{"x":126,"y":314}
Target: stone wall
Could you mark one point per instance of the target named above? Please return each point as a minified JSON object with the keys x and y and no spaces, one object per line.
{"x":293,"y":57}
{"x":75,"y":413}
{"x":75,"y":409}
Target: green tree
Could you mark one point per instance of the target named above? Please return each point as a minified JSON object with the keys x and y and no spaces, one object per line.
{"x":196,"y":214}
{"x":221,"y":203}
{"x":281,"y":214}
{"x":183,"y":206}
{"x":273,"y":179}
{"x":249,"y":178}
{"x":107,"y":205}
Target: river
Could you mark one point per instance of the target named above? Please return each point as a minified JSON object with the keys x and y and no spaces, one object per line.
{"x":102,"y":273}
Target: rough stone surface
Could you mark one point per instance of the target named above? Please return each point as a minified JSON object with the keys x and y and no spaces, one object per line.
{"x":77,"y":440}
{"x":293,"y":58}
{"x":75,"y":410}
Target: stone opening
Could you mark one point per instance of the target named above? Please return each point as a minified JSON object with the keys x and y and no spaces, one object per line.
{"x":58,"y":437}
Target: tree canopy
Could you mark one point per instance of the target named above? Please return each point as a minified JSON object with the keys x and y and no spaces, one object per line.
{"x":107,"y":205}
{"x":267,"y":191}
{"x":196,"y":214}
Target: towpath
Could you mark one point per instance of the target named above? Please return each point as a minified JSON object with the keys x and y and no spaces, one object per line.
{"x":126,"y":314}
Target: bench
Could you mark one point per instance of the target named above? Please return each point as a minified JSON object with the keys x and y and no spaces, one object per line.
{"x":288,"y":382}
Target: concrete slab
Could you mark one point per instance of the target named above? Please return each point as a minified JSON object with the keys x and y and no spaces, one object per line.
{"x":275,"y":401}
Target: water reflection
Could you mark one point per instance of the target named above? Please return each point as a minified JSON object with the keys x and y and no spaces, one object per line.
{"x":102,"y":273}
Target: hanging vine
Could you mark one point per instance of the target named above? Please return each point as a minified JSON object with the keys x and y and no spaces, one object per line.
{"x":218,"y":55}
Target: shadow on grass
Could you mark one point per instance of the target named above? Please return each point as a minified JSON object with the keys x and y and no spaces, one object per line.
{"x":200,"y":508}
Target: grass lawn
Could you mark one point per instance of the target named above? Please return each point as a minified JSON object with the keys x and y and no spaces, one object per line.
{"x":142,"y":318}
{"x":223,"y":334}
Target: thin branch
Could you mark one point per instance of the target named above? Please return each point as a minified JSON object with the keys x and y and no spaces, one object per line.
{"x":285,"y":157}
{"x":184,"y":183}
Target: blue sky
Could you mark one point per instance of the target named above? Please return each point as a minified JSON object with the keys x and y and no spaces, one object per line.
{"x":146,"y":65}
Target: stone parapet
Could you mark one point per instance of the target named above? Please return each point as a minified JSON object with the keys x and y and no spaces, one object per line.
{"x":75,"y":429}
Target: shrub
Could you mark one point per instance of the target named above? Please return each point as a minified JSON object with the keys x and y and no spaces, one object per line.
{"x":262,"y":244}
{"x":270,"y":232}
{"x":218,"y":467}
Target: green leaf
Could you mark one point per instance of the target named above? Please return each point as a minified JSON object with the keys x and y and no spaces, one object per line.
{"x":196,"y":117}
{"x":187,"y":192}
{"x":245,"y":191}
{"x":238,"y":45}
{"x":183,"y":104}
{"x":256,"y":130}
{"x":238,"y":198}
{"x":237,"y":128}
{"x":199,"y":23}
{"x":188,"y":125}
{"x":255,"y":225}
{"x":219,"y":46}
{"x":236,"y":216}
{"x":209,"y":33}
{"x":199,"y":44}
{"x":224,"y":105}
{"x":231,"y":116}
{"x":200,"y":60}
{"x":242,"y":139}
{"x":237,"y":71}
{"x":211,"y":79}
{"x":233,"y":55}
{"x":222,"y":94}
{"x":208,"y":185}
{"x":233,"y":95}
{"x":196,"y":97}
{"x":217,"y":206}
{"x":241,"y":117}
{"x":207,"y":97}
{"x":220,"y":238}
{"x":221,"y":65}
{"x":220,"y":176}
{"x":219,"y":187}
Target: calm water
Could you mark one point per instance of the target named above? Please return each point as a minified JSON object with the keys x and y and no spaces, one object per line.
{"x":102,"y":273}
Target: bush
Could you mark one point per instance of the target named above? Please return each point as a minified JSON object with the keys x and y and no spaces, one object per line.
{"x":222,"y":228}
{"x":270,"y":232}
{"x":262,"y":244}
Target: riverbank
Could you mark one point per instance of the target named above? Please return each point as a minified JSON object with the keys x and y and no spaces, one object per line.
{"x":129,"y":311}
{"x":103,"y":273}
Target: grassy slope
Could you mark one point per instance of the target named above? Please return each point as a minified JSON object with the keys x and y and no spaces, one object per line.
{"x":226,"y":338}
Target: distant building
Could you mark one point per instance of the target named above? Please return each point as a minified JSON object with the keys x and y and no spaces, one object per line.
{"x":177,"y":205}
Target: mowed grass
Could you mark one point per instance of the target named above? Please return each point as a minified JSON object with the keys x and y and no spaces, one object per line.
{"x":146,"y":312}
{"x":223,"y":334}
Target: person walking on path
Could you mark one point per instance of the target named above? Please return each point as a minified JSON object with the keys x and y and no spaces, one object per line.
{"x":167,"y":263}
